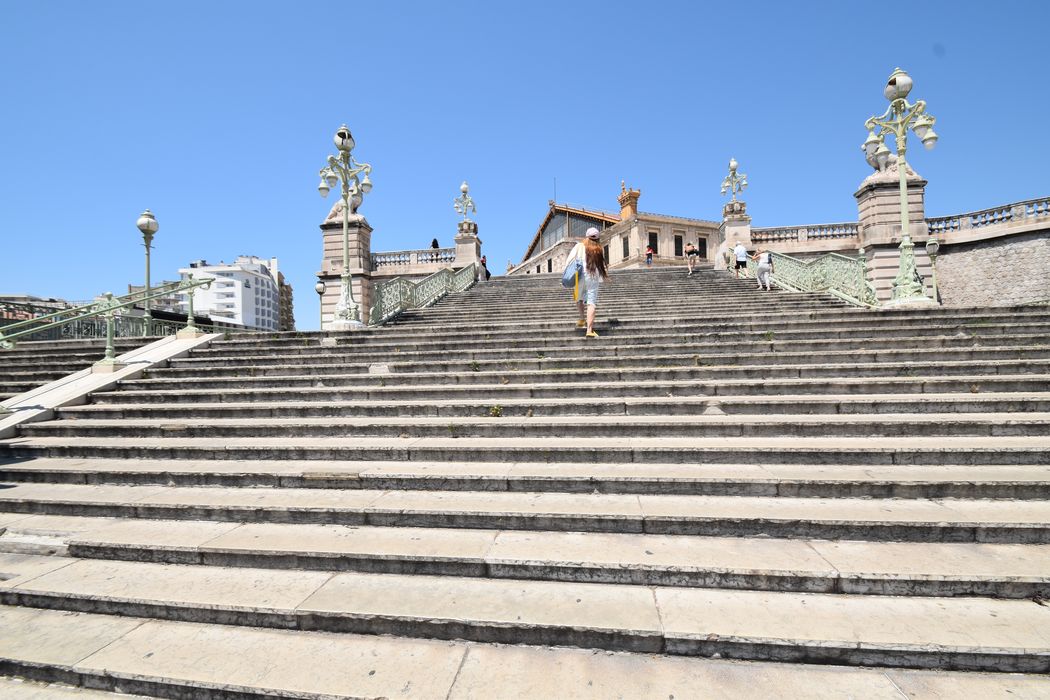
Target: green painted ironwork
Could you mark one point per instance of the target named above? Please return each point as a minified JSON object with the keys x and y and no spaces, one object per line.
{"x":838,"y":275}
{"x":103,"y":318}
{"x":400,"y":294}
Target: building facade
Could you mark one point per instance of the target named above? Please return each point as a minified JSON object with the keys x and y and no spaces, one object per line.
{"x":246,"y":292}
{"x":624,"y":236}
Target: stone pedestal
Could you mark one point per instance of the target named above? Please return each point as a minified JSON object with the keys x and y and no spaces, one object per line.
{"x":106,"y":367}
{"x":468,"y":245}
{"x":879,"y":228}
{"x":360,"y":267}
{"x":735,"y":227}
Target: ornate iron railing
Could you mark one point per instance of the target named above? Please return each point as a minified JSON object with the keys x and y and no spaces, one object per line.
{"x":404,"y":258}
{"x":839,"y":275}
{"x":1019,"y":211}
{"x":103,"y":318}
{"x":399,"y":294}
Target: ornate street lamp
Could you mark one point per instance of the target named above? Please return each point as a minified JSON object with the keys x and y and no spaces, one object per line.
{"x":148,"y":225}
{"x":345,"y":170}
{"x":898,"y":118}
{"x":464,"y":204}
{"x":319,"y":288}
{"x":932,"y":248}
{"x":734,"y":182}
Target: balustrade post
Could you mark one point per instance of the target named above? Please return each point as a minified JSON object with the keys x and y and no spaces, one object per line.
{"x":109,"y":363}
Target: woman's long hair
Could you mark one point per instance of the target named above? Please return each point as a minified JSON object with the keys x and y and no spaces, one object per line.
{"x":595,"y":259}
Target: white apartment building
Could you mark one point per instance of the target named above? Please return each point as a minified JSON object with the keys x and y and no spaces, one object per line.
{"x":245,"y":292}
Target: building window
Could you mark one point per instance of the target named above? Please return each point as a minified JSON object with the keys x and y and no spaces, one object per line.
{"x":701,"y":246}
{"x":537,"y":269}
{"x":626,"y":247}
{"x":550,"y":265}
{"x":678,"y":246}
{"x":654,"y":242}
{"x":605,"y":253}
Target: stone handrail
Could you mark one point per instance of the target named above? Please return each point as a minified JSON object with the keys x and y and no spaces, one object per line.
{"x":425,"y":256}
{"x":399,"y":294}
{"x":786,"y":234}
{"x":1008,"y":213}
{"x":839,"y":275}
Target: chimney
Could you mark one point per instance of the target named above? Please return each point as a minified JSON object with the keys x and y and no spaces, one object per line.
{"x":628,"y":200}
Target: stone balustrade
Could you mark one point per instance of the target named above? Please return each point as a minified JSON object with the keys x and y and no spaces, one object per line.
{"x":409,"y":258}
{"x":785,"y":234}
{"x":1032,"y":210}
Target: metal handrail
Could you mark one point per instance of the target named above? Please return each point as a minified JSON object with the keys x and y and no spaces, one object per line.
{"x":839,"y":275}
{"x":107,"y":308}
{"x":80,"y":312}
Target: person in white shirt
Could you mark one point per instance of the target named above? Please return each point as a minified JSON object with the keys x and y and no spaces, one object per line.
{"x":589,"y":252}
{"x":740,"y":252}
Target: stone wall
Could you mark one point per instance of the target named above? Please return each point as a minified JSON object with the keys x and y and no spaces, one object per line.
{"x":996,"y":272}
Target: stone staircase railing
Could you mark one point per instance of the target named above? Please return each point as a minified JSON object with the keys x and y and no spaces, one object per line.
{"x":399,"y":294}
{"x":1009,"y":213}
{"x":404,"y":258}
{"x":839,"y":275}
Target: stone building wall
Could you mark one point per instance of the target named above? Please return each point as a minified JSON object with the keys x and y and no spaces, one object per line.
{"x":996,"y":272}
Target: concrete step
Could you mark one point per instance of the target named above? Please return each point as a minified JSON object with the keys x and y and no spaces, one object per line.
{"x":642,"y":347}
{"x":147,"y":656}
{"x":918,"y":520}
{"x":814,"y":566}
{"x":801,"y":404}
{"x":684,"y":427}
{"x":755,"y":370}
{"x":785,"y":481}
{"x":779,"y":450}
{"x":949,"y":633}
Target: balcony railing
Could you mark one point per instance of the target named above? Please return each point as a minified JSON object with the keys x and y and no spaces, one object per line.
{"x":791,"y":234}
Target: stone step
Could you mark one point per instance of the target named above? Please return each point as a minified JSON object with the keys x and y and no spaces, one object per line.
{"x":643,"y":348}
{"x":918,"y":520}
{"x":950,"y":633}
{"x":502,"y":389}
{"x":757,"y":370}
{"x":538,"y":361}
{"x":813,"y":566}
{"x":22,"y":689}
{"x":147,"y":656}
{"x":685,"y":427}
{"x":1021,"y":482}
{"x":801,"y":404}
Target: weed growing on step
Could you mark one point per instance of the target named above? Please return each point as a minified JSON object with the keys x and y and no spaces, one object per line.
{"x":768,"y":335}
{"x":974,"y":388}
{"x":496,"y":411}
{"x":452,"y":430}
{"x":541,"y":355}
{"x":474,"y":366}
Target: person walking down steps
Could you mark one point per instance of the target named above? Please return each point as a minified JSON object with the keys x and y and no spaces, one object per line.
{"x":765,"y":268}
{"x":592,"y":273}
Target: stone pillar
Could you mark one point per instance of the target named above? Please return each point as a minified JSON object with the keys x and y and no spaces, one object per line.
{"x":468,"y":245}
{"x":360,"y":237}
{"x":735,"y":227}
{"x":879,"y":228}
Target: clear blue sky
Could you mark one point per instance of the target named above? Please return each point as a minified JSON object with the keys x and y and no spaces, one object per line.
{"x":218,"y":115}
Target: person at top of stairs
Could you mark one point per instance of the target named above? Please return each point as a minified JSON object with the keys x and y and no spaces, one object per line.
{"x":589,"y":252}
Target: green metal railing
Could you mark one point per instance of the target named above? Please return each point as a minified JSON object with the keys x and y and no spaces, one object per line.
{"x":838,"y":275}
{"x":393,"y":297}
{"x":90,"y":319}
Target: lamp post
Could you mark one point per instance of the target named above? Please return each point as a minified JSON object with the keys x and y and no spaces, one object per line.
{"x":344,"y":170}
{"x":148,"y":225}
{"x":898,"y":118}
{"x":932,"y":247}
{"x":319,"y":288}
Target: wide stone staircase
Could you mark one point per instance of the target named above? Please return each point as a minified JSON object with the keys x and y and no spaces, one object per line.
{"x":730,"y":492}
